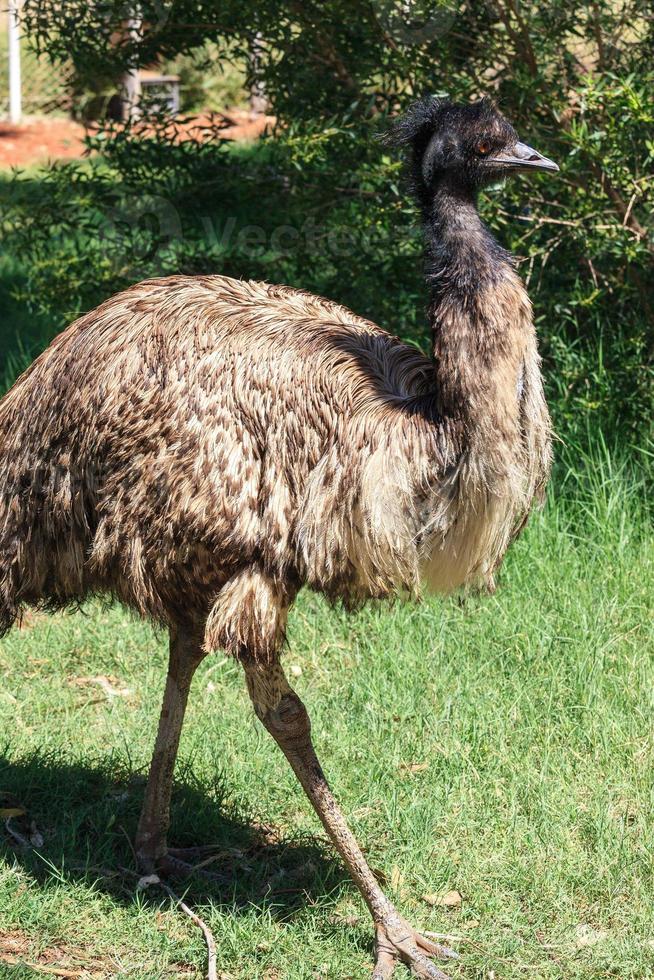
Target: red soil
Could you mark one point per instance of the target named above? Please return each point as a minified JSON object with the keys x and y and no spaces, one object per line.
{"x":38,"y":140}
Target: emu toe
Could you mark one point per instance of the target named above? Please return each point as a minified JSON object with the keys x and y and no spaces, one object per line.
{"x":183,"y":863}
{"x":398,"y":941}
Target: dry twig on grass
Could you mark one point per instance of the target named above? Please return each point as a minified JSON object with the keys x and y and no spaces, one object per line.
{"x":212,"y":954}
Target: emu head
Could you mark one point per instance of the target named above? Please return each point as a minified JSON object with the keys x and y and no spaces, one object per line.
{"x":462,"y":146}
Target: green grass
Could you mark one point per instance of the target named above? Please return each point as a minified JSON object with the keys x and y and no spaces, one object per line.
{"x":501,"y":747}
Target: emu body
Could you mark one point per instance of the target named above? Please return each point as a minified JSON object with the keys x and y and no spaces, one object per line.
{"x":202,"y":448}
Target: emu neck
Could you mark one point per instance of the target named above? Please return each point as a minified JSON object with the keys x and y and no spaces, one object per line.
{"x":476,"y":305}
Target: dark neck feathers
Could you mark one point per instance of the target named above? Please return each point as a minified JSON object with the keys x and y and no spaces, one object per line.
{"x":476,"y":300}
{"x":462,"y":256}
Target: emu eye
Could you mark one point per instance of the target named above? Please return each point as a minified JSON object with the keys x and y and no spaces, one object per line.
{"x":483,"y":148}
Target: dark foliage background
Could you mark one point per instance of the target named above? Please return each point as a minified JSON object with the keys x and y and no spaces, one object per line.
{"x":321,"y":204}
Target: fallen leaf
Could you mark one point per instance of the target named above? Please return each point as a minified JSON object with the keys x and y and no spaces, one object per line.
{"x":450,"y":900}
{"x":397,"y":878}
{"x":108,"y":684}
{"x":588,"y":936}
{"x":414,"y":766}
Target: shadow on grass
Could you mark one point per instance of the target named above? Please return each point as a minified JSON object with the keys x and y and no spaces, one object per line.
{"x":87,"y":817}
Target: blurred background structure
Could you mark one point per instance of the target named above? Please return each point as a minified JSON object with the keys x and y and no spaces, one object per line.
{"x":29,"y":83}
{"x":46,"y":105}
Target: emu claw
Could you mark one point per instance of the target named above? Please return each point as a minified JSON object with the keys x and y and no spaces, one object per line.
{"x":185,"y":862}
{"x":397,"y":940}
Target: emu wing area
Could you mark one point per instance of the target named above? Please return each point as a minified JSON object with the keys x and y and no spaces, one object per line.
{"x":174,"y":436}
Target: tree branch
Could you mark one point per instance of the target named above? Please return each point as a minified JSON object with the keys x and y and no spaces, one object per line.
{"x":599,"y":40}
{"x":521,"y":37}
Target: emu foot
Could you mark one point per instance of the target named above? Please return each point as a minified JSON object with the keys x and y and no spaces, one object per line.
{"x":182,"y":863}
{"x":398,"y":941}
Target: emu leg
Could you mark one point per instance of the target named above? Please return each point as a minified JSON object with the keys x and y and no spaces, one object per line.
{"x":285,"y":717}
{"x":151,"y":845}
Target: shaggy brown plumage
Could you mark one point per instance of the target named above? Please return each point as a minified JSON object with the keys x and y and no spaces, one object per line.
{"x":201,"y":448}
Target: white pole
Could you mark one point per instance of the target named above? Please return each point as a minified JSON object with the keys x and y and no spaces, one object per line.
{"x":258,"y":100}
{"x":131,"y":78}
{"x":15,"y":107}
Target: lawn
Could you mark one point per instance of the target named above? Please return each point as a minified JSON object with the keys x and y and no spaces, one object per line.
{"x":497,"y":747}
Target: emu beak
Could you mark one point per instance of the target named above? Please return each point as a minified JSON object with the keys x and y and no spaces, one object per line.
{"x":523,"y":157}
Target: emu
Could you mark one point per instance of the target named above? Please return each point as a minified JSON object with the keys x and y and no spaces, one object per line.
{"x":201,"y":448}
